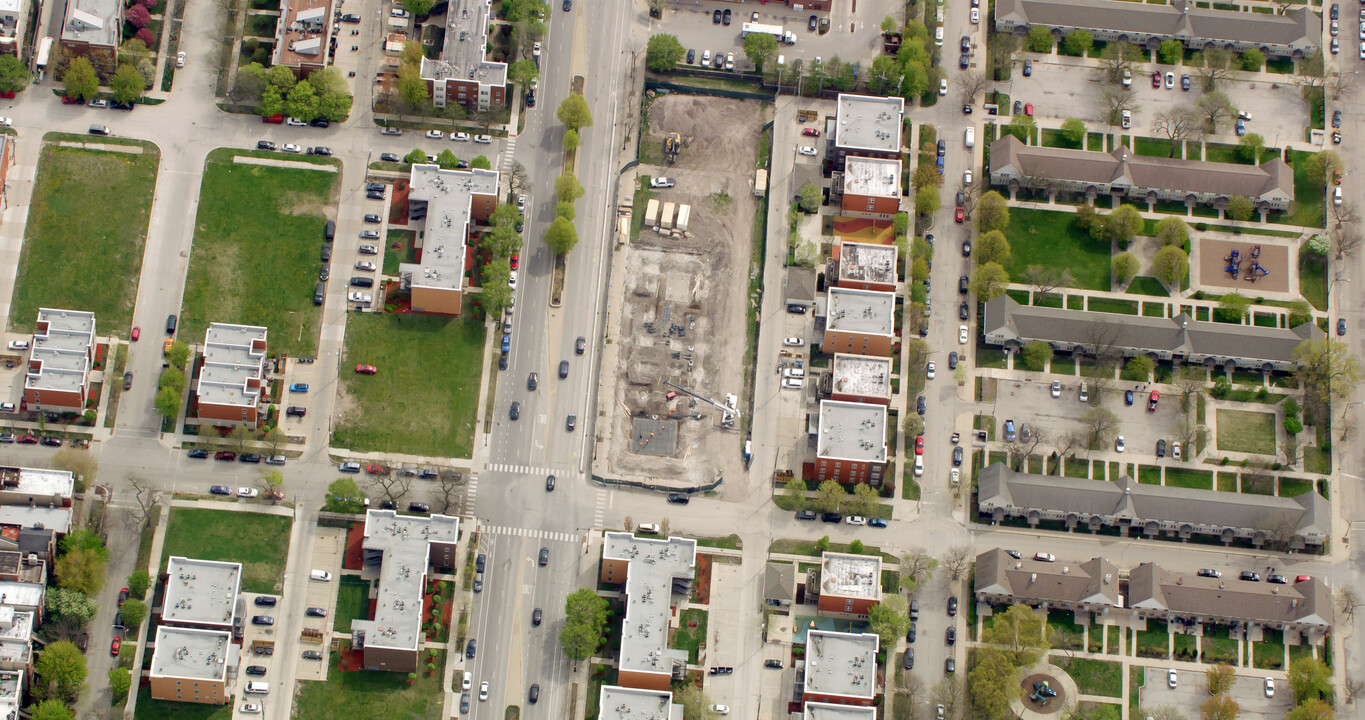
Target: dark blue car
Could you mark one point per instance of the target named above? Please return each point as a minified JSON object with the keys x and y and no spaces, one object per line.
{"x":876,"y":523}
{"x":506,"y":343}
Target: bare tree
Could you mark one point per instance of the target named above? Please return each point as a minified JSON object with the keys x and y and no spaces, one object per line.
{"x":664,"y":527}
{"x":1046,"y":278}
{"x":1340,"y":84}
{"x":1345,"y":238}
{"x":1116,"y":99}
{"x":970,"y":85}
{"x":1214,"y":64}
{"x":519,"y":179}
{"x":144,"y":495}
{"x":1347,"y":602}
{"x":956,"y":561}
{"x":1346,"y":427}
{"x":918,"y":566}
{"x":1067,"y":443}
{"x":394,"y":486}
{"x":1119,"y":56}
{"x":1019,"y":450}
{"x":1353,"y":688}
{"x":1343,"y":214}
{"x":1190,"y":379}
{"x":970,"y":195}
{"x":1161,"y":713}
{"x":1100,"y":423}
{"x":1186,"y":434}
{"x":1179,"y":124}
{"x":448,"y":484}
{"x":1215,"y":107}
{"x":948,"y":693}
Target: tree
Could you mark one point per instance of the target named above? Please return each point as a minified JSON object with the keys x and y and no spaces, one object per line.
{"x":272,"y":102}
{"x":1178,"y":124}
{"x":585,"y":617}
{"x":917,"y":567}
{"x":1172,"y":231}
{"x":1073,"y":129}
{"x":992,"y":247}
{"x":992,"y":212}
{"x":1116,"y":99}
{"x":914,"y":425}
{"x":565,"y":209}
{"x":419,"y":8}
{"x":574,"y":113}
{"x":302,"y":102}
{"x":1139,"y":368}
{"x":137,"y":16}
{"x":1250,"y":146}
{"x":1170,"y":52}
{"x":418,"y":155}
{"x":1215,"y":107}
{"x":1235,"y":304}
{"x":926,"y":201}
{"x":62,"y":669}
{"x":1171,"y":265}
{"x":1220,"y":678}
{"x":394,"y":487}
{"x":885,"y":76}
{"x":696,"y":703}
{"x":662,"y":53}
{"x":561,"y":236}
{"x":82,"y":570}
{"x":811,"y":195}
{"x":53,"y":710}
{"x":571,"y":140}
{"x":1348,"y":599}
{"x":567,"y":187}
{"x":1123,"y":224}
{"x":914,"y":80}
{"x":1046,"y":278}
{"x":925,"y":175}
{"x":134,"y":611}
{"x":271,"y":480}
{"x":344,"y":496}
{"x":1213,"y":65}
{"x":829,"y":496}
{"x":1119,"y":56}
{"x":970,"y":84}
{"x":1100,"y":425}
{"x":80,"y":80}
{"x":1312,"y":709}
{"x":138,"y":582}
{"x":1125,"y":267}
{"x":411,"y":89}
{"x":14,"y":76}
{"x":1219,"y":707}
{"x":1240,"y":208}
{"x":1253,"y":60}
{"x":889,"y":619}
{"x":1322,"y":166}
{"x":1313,"y":70}
{"x":119,"y":681}
{"x":71,"y":605}
{"x":1039,"y":40}
{"x":144,"y":496}
{"x":1077,"y":43}
{"x":1309,"y":678}
{"x":759,"y":48}
{"x":795,"y":493}
{"x":1023,"y":127}
{"x":864,"y":500}
{"x":1018,"y":632}
{"x":956,"y":561}
{"x":1327,"y":368}
{"x":77,"y":461}
{"x":1036,"y":355}
{"x":127,"y":84}
{"x":989,"y":281}
{"x":447,"y":160}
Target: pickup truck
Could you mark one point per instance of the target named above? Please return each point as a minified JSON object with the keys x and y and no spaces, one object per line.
{"x":1151,"y":401}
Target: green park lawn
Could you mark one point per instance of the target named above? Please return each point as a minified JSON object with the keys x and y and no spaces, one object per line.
{"x":1051,"y":238}
{"x":1093,"y":677}
{"x":149,"y":709}
{"x":257,"y":240}
{"x":371,"y":694}
{"x":425,"y":396}
{"x":87,"y":226}
{"x":258,"y":541}
{"x":1244,"y":431}
{"x":353,"y":602}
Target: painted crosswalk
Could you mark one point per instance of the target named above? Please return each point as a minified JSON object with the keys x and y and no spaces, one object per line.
{"x":519,"y":469}
{"x":600,"y":512}
{"x":471,"y":490}
{"x":530,"y":533}
{"x":508,"y":149}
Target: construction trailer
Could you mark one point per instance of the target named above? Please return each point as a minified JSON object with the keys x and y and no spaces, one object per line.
{"x":666,"y":218}
{"x":684,"y":214}
{"x":652,"y":213}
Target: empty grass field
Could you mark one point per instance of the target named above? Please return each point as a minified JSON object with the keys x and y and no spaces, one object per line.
{"x":256,"y":540}
{"x":257,"y":240}
{"x":1052,"y":239}
{"x":371,"y":694}
{"x":412,"y":405}
{"x":87,"y":226}
{"x":1244,"y":431}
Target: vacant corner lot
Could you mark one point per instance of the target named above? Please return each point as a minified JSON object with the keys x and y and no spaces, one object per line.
{"x":1248,"y":432}
{"x":86,"y":230}
{"x":257,"y":240}
{"x":258,"y":541}
{"x":371,"y":694}
{"x":425,"y":396}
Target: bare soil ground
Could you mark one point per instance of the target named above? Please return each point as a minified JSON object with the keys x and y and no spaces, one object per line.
{"x":684,"y":298}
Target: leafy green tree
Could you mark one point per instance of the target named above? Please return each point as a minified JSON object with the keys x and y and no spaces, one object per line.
{"x":1311,"y":709}
{"x":1138,"y":369}
{"x":1073,"y":129}
{"x":1123,"y":224}
{"x":864,"y":500}
{"x":272,"y":102}
{"x":585,"y":618}
{"x":1170,"y":52}
{"x":72,"y":605}
{"x":419,"y":8}
{"x":989,"y":683}
{"x":759,"y":48}
{"x":334,"y":106}
{"x":1219,"y":707}
{"x":134,"y":611}
{"x":281,"y":77}
{"x":62,"y":669}
{"x":1240,"y":208}
{"x":1172,"y":231}
{"x":992,"y":247}
{"x":664,"y":52}
{"x":1321,"y":166}
{"x":989,"y":281}
{"x":14,"y":76}
{"x":925,"y":175}
{"x":561,"y":236}
{"x":1125,"y":267}
{"x":80,"y":79}
{"x":411,"y":88}
{"x":884,"y":77}
{"x":447,"y":160}
{"x":1077,"y":43}
{"x":1235,"y":305}
{"x":1171,"y":265}
{"x":696,"y":703}
{"x":1327,"y":368}
{"x":992,"y":212}
{"x":1293,"y":426}
{"x":344,"y":496}
{"x":900,"y":222}
{"x":1250,"y":146}
{"x":1253,"y":60}
{"x":889,"y":619}
{"x":1300,"y":312}
{"x":1309,"y":679}
{"x":178,"y":354}
{"x":495,"y":293}
{"x":567,"y":187}
{"x":1020,"y":633}
{"x":574,"y":113}
{"x":1022,"y":127}
{"x":1036,"y":355}
{"x":565,"y":209}
{"x":481,"y":162}
{"x":138,"y":582}
{"x":810,"y":194}
{"x":1039,"y":40}
{"x":503,"y":242}
{"x":53,"y":710}
{"x":119,"y":681}
{"x":81,"y":570}
{"x":927,"y":200}
{"x":914,"y":80}
{"x":417,"y":155}
{"x":829,"y":496}
{"x":522,"y":72}
{"x":795,"y":493}
{"x":571,"y":140}
{"x":167,"y":402}
{"x":302,"y":102}
{"x":83,"y":538}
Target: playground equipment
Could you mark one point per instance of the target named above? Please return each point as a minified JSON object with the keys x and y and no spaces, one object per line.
{"x":1256,"y":272}
{"x":1255,"y":251}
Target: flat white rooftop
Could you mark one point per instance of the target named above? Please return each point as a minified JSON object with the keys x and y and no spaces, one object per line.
{"x":829,"y":711}
{"x":863,"y":262}
{"x":623,"y":703}
{"x":851,"y":576}
{"x":861,"y":375}
{"x":878,"y":177}
{"x":234,"y":355}
{"x":656,"y":566}
{"x":841,"y":663}
{"x":192,"y":653}
{"x":63,"y":345}
{"x":405,"y":542}
{"x":867,"y":312}
{"x":39,"y":482}
{"x":449,"y":195}
{"x":201,"y":592}
{"x":463,"y":57}
{"x":852,"y":431}
{"x":869,"y":123}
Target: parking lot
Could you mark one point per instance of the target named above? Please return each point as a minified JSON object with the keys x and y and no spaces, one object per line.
{"x":1192,"y":690}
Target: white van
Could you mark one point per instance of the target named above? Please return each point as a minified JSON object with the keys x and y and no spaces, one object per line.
{"x":793,"y":373}
{"x":793,"y":383}
{"x":322,"y":575}
{"x":258,"y":688}
{"x":1085,"y":392}
{"x":971,"y":136}
{"x":919,"y":465}
{"x":649,"y":528}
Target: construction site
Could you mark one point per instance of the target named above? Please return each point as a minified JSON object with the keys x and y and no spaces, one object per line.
{"x":673,"y":374}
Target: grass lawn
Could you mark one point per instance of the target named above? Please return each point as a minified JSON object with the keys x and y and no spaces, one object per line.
{"x":1218,"y":647}
{"x":690,"y":638}
{"x":86,"y":228}
{"x":1149,"y":475}
{"x":1313,"y":278}
{"x":1197,"y":479}
{"x":371,"y":694}
{"x":729,"y":542}
{"x":1300,"y":651}
{"x":406,"y":253}
{"x":256,"y":243}
{"x":1293,"y":487}
{"x":149,"y":709}
{"x":1227,"y":482}
{"x":1185,"y":646}
{"x":1137,"y":677}
{"x":1268,"y":655}
{"x":258,"y":541}
{"x":1051,"y":238}
{"x":1226,"y":153}
{"x":1093,"y":677}
{"x":412,"y":405}
{"x":1113,"y":305}
{"x":1144,"y":285}
{"x":1244,"y":431}
{"x":353,"y":602}
{"x":1307,"y":195}
{"x":1103,"y":711}
{"x":1153,"y":641}
{"x":1154,"y":147}
{"x":1068,"y":633}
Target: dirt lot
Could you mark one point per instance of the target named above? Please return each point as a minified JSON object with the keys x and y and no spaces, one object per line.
{"x":1274,"y":258}
{"x":682,"y":300}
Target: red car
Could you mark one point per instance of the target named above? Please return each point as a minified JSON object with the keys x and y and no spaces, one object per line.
{"x":72,"y":101}
{"x":276,"y":119}
{"x":28,"y":440}
{"x":1028,"y":109}
{"x":366,"y":369}
{"x":113,"y":647}
{"x":1151,"y":401}
{"x":1156,"y":78}
{"x":6,"y":94}
{"x":1303,"y":578}
{"x":122,"y":595}
{"x":137,"y":332}
{"x":919,"y":444}
{"x":959,"y":213}
{"x":516,"y":260}
{"x":376,"y":470}
{"x":810,"y":132}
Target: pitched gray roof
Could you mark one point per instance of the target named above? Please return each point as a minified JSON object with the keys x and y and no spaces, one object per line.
{"x":1180,"y":19}
{"x":1182,"y":335}
{"x":1094,"y":582}
{"x":999,"y":486}
{"x":1151,"y":587}
{"x":1273,"y":177}
{"x":779,"y":581}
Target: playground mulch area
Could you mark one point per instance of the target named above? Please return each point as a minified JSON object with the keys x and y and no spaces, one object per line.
{"x":1274,"y":258}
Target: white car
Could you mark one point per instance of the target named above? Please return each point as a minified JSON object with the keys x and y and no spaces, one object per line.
{"x":435,"y":134}
{"x":919,"y":465}
{"x":180,"y":59}
{"x":793,"y":383}
{"x":360,"y":297}
{"x":1170,"y":678}
{"x":1175,"y":450}
{"x":252,"y":708}
{"x":512,"y":279}
{"x":729,"y":61}
{"x":793,"y":342}
{"x":942,"y":85}
{"x":18,"y":344}
{"x":1336,"y":195}
{"x":369,"y":250}
{"x":291,"y":148}
{"x":855,"y":520}
{"x":1044,"y":557}
{"x":1118,"y":444}
{"x":721,"y":709}
{"x":483,"y":139}
{"x":938,"y":36}
{"x":706,"y":58}
{"x":806,"y":150}
{"x":1126,"y":119}
{"x":365,"y":265}
{"x":1056,"y":388}
{"x":399,"y":13}
{"x":459,"y":136}
{"x":535,"y":50}
{"x":661,"y":182}
{"x":955,"y":476}
{"x":483,"y":691}
{"x":295,"y":122}
{"x":7,"y":122}
{"x":246,"y":492}
{"x":521,"y":202}
{"x":1270,"y":687}
{"x":929,"y":370}
{"x":469,"y":676}
{"x":1170,"y":80}
{"x":976,"y":16}
{"x":967,"y":178}
{"x":962,"y":334}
